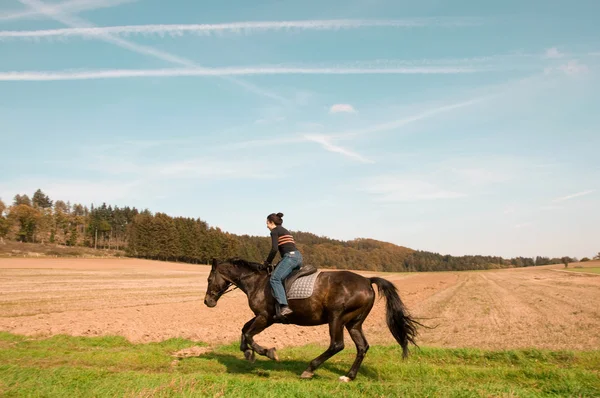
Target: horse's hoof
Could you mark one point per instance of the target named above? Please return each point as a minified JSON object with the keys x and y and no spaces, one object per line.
{"x":250,"y":356}
{"x":272,"y":354}
{"x":345,"y":379}
{"x":307,"y":375}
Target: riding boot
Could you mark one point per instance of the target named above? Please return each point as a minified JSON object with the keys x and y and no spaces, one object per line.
{"x":285,"y":311}
{"x":278,"y":315}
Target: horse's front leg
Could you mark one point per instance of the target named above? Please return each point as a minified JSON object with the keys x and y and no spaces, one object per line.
{"x":248,"y":353}
{"x":260,"y":323}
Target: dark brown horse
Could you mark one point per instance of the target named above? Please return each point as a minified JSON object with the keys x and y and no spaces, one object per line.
{"x":340,"y":298}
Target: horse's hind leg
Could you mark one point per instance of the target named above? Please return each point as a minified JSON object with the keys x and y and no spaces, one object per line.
{"x":336,"y":334}
{"x":259,"y":324}
{"x":356,"y":332}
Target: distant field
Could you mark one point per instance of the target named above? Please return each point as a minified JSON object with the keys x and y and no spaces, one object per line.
{"x":111,"y":366}
{"x":591,"y":270}
{"x":13,"y":249}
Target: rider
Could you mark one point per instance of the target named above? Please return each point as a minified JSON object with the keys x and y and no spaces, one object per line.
{"x":291,"y":258}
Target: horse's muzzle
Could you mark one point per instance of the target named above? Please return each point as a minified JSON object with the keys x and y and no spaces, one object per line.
{"x":210,"y":302}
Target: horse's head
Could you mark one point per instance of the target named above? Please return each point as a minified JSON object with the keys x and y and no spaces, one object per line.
{"x":226,"y":273}
{"x":217,"y":285}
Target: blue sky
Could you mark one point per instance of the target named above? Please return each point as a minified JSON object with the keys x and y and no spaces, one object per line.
{"x":461,"y":127}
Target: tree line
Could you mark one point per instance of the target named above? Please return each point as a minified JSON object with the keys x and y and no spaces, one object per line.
{"x":158,"y":236}
{"x":40,"y":220}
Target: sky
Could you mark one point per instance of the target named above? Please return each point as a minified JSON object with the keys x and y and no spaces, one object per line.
{"x":458,"y":127}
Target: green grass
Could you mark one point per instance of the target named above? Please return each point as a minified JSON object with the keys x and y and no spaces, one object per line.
{"x":592,"y":270}
{"x":63,"y":366}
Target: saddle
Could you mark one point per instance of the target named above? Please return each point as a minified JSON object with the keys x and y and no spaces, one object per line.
{"x":304,"y":270}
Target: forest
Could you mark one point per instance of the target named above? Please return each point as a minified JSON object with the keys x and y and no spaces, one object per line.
{"x":158,"y":236}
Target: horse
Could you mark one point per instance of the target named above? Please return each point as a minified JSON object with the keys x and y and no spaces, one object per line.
{"x":343,"y":299}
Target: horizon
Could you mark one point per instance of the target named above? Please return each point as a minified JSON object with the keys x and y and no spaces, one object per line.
{"x":464,"y":129}
{"x":108,"y":205}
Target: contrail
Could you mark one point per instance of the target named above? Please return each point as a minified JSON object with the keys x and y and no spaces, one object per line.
{"x":230,"y":71}
{"x":575,"y":195}
{"x":236,"y":27}
{"x":78,"y":23}
{"x":66,"y":6}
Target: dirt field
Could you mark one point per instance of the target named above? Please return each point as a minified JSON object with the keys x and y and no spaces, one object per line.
{"x":543,"y":307}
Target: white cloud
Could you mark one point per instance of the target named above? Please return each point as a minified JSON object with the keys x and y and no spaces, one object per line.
{"x":351,"y":134}
{"x":72,"y":6}
{"x":397,"y":189}
{"x":327,"y":140}
{"x":342,"y":108}
{"x":209,"y":29}
{"x":411,"y":119}
{"x":574,"y":68}
{"x":553,"y":53}
{"x":329,"y":146}
{"x":571,"y":68}
{"x":75,"y":22}
{"x":572,"y":196}
{"x":217,"y":72}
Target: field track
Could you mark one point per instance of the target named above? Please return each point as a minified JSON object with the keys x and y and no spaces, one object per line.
{"x":541,"y":307}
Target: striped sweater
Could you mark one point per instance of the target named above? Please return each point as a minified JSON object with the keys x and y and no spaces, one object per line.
{"x":281,"y":240}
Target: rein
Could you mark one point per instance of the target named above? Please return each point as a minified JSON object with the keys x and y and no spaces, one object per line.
{"x":228,"y":291}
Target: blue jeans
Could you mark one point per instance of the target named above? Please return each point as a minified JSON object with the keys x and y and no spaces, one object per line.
{"x":289,"y":262}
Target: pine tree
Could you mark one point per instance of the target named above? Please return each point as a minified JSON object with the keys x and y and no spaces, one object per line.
{"x":41,"y":200}
{"x":22,"y":200}
{"x":165,"y":236}
{"x":72,"y":237}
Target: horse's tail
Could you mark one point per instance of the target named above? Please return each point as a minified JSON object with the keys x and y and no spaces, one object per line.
{"x":400,"y":323}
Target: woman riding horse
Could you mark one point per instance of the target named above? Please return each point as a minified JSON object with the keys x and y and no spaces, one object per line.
{"x":342,"y":299}
{"x":291,"y":259}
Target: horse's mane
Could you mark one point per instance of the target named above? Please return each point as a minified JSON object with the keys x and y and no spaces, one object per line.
{"x":240,"y":262}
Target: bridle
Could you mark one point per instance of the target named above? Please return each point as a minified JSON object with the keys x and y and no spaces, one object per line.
{"x":225,"y":291}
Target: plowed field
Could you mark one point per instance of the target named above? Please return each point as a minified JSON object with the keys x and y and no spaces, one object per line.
{"x":541,"y":307}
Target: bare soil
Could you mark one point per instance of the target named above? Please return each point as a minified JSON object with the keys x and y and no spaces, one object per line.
{"x":541,"y":307}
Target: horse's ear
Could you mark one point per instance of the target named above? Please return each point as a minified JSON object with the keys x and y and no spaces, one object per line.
{"x":215,"y":262}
